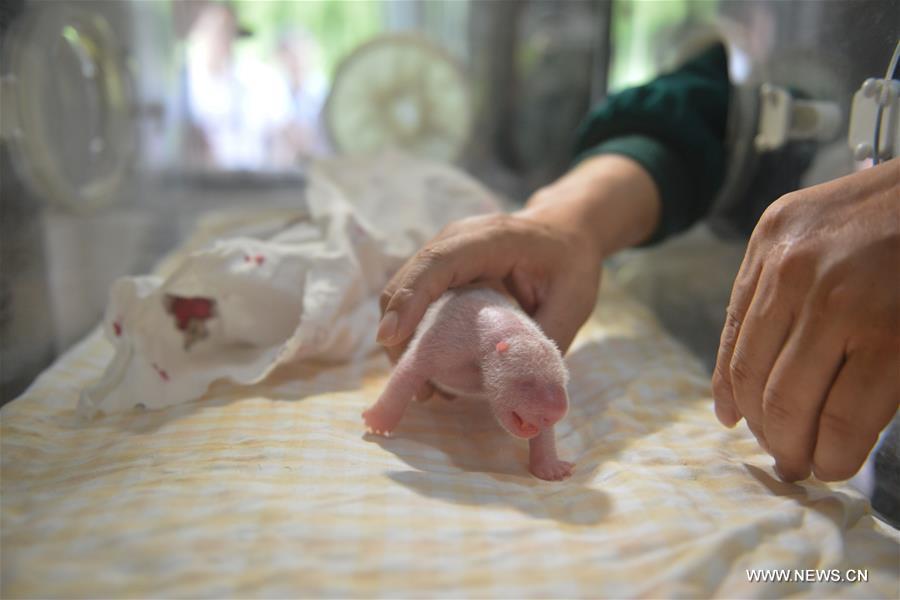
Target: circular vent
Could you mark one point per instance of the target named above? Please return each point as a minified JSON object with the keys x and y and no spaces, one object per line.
{"x":399,"y":91}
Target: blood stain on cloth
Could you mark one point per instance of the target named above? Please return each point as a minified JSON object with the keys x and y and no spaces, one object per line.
{"x":163,"y":374}
{"x":191,"y":315}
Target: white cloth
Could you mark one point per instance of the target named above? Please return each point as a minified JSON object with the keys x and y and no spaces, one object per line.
{"x":306,"y":289}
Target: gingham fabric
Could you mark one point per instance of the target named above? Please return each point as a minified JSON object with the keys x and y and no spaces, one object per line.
{"x":275,"y":491}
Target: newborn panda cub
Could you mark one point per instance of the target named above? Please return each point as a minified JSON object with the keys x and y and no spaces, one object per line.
{"x":474,"y":342}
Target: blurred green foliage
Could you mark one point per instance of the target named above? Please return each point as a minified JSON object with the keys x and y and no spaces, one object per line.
{"x":637,"y":26}
{"x":339,"y":26}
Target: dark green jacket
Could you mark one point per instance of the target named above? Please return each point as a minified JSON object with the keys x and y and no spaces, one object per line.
{"x":675,"y":127}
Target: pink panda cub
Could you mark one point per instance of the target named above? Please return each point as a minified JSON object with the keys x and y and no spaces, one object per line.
{"x":475,"y":342}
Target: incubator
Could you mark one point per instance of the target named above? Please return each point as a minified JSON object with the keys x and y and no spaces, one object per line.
{"x":119,"y":127}
{"x":136,"y":135}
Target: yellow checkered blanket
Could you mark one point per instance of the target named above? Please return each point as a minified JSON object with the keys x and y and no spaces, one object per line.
{"x":275,"y":491}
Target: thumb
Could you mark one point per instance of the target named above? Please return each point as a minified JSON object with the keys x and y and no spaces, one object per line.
{"x":431,"y":272}
{"x":422,"y":281}
{"x":566,"y":309}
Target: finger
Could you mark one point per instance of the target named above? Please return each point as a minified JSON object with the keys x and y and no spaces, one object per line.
{"x":796,"y":391}
{"x":521,"y":286}
{"x":761,"y":337}
{"x":741,"y":295}
{"x":435,"y":269}
{"x":862,"y":401}
{"x":723,"y":398}
{"x":757,"y":430}
{"x":395,"y":352}
{"x":568,"y":305}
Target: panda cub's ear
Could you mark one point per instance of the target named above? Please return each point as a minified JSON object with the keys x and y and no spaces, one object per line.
{"x":502,"y":347}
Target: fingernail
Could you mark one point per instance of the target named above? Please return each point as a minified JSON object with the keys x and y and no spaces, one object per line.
{"x":388,"y":327}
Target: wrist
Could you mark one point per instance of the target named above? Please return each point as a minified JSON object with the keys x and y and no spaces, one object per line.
{"x":564,"y":215}
{"x":608,"y":201}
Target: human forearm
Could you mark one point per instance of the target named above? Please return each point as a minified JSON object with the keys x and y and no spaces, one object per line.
{"x":608,"y":201}
{"x":547,"y":255}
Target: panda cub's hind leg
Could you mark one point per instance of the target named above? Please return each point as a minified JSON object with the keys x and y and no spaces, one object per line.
{"x":408,"y":378}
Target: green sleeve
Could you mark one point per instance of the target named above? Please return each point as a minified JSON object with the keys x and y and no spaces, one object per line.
{"x":674,"y":127}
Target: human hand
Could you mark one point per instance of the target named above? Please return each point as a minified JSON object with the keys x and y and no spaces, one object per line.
{"x":552,"y":273}
{"x":548,"y":256}
{"x":810,"y":350}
